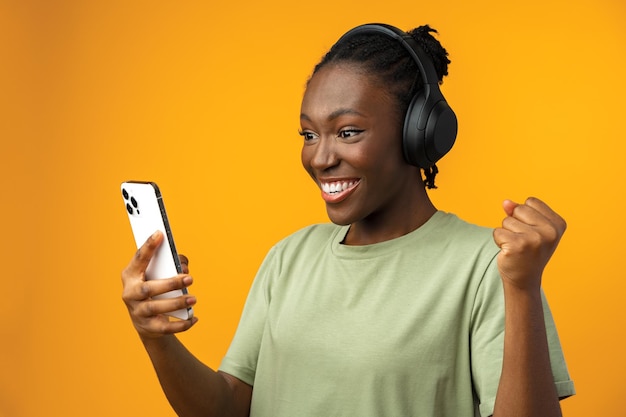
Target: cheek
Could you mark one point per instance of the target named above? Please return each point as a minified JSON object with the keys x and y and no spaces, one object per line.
{"x":373,"y":154}
{"x":362,"y":158}
{"x":305,"y":159}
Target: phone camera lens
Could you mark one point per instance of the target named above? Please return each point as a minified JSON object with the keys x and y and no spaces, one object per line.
{"x":133,"y":202}
{"x":125,"y":193}
{"x":129,"y":208}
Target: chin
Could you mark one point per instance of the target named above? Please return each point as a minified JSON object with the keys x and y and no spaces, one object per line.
{"x":340,"y":223}
{"x":340,"y":219}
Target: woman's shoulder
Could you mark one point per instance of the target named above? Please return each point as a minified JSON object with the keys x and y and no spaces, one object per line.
{"x":452,"y":228}
{"x":455,"y":222}
{"x":312,"y":235}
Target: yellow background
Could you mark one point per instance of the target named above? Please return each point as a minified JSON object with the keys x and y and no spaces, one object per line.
{"x":203,"y":98}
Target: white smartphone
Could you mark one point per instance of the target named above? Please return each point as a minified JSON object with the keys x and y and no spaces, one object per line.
{"x":144,"y":205}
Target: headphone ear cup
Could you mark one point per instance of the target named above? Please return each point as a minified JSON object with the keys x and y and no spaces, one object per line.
{"x":413,"y":137}
{"x":441,"y":130}
{"x":430,"y":129}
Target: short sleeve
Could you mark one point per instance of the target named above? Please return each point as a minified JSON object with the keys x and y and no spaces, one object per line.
{"x":242,"y":356}
{"x":563,"y":382}
{"x":487,"y":339}
{"x":487,"y":343}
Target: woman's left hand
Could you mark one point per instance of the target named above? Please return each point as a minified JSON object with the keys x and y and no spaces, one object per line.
{"x":528,"y":237}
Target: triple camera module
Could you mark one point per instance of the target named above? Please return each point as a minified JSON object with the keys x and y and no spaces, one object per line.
{"x":131,"y":204}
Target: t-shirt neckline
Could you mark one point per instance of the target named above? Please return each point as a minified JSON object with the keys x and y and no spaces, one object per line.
{"x":382,"y":248}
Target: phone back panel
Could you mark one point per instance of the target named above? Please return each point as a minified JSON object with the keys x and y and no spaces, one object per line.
{"x":146,"y":213}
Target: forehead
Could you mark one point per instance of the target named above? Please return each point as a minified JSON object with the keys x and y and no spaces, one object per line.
{"x":343,"y":86}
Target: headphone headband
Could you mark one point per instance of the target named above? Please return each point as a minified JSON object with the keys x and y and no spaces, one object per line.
{"x":423,"y":61}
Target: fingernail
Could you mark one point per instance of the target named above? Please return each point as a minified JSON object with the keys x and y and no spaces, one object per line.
{"x":191,"y":300}
{"x":188,"y":280}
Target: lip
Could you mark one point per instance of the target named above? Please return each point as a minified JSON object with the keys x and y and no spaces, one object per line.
{"x":338,"y":197}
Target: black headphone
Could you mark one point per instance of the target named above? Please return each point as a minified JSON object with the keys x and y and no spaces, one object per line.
{"x":430,"y":125}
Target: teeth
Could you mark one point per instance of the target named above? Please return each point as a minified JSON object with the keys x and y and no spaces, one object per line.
{"x":336,"y":187}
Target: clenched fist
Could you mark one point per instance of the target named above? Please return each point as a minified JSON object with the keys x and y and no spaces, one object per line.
{"x":528,"y":237}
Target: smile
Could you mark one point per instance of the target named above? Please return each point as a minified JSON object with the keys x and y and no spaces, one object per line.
{"x":336,"y":191}
{"x":337,"y":187}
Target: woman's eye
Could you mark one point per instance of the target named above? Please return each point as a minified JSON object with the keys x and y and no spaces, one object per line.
{"x":349,"y":133}
{"x":306,"y":135}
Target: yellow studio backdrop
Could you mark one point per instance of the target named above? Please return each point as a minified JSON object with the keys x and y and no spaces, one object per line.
{"x":203,"y":98}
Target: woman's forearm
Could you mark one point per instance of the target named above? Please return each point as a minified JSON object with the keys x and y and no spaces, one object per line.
{"x":191,"y":387}
{"x":526,"y":386}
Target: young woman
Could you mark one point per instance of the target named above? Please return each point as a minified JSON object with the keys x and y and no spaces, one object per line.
{"x":395,"y":309}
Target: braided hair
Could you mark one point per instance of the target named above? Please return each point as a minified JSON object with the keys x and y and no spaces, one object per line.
{"x":381,"y":56}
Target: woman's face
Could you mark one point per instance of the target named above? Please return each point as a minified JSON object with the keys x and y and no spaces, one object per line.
{"x":353,"y":148}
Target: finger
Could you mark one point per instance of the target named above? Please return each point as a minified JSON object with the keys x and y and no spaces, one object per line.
{"x":504,"y":237}
{"x":184,"y":263}
{"x":147,"y":289}
{"x":142,"y":257}
{"x":509,"y":207}
{"x":516,"y":223}
{"x":547,"y":212}
{"x":161,"y":327}
{"x":524,"y":213}
{"x":499,"y":236}
{"x":178,"y":326}
{"x":152,"y":308}
{"x":535,"y":214}
{"x":528,"y":215}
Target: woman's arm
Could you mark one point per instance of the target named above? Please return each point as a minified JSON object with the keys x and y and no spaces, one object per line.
{"x":528,"y":237}
{"x":191,"y":387}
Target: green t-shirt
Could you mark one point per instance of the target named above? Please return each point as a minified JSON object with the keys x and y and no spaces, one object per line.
{"x":408,"y":327}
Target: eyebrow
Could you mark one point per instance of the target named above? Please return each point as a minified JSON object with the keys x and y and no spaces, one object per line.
{"x":335,"y":114}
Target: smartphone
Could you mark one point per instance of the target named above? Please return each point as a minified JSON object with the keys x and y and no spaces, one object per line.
{"x":144,"y":205}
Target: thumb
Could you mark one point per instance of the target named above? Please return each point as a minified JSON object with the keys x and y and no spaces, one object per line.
{"x":509,"y":206}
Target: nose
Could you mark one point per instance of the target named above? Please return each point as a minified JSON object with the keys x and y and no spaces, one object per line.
{"x":324,"y":154}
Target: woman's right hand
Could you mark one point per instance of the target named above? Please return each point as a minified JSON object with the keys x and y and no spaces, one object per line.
{"x":148,"y":314}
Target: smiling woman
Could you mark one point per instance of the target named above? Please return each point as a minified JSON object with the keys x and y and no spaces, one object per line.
{"x":204,"y":98}
{"x":353,"y":134}
{"x":395,"y":309}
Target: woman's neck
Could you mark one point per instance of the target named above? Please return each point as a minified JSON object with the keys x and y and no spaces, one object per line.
{"x":380,"y":227}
